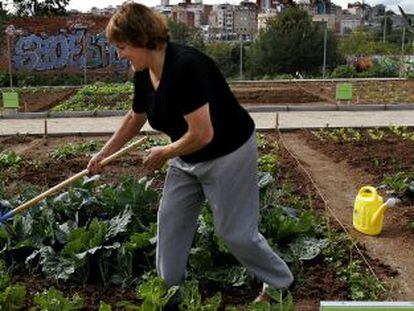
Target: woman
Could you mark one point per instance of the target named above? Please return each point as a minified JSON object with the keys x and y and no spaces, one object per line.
{"x":213,"y":153}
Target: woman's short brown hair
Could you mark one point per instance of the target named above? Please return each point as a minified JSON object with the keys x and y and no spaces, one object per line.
{"x":137,"y":25}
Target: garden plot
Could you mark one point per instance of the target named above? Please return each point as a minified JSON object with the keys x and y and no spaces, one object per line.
{"x":343,"y":160}
{"x":117,"y":96}
{"x":94,"y":243}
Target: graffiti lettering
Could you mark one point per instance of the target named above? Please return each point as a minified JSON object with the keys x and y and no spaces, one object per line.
{"x":75,"y":50}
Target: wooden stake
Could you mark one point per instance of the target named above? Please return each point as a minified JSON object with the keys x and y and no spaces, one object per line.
{"x":277,"y":120}
{"x":45,"y":133}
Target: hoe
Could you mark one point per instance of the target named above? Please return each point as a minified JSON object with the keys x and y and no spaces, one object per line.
{"x":29,"y":204}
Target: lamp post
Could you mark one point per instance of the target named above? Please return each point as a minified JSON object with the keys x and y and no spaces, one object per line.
{"x":241,"y":57}
{"x":10,"y":31}
{"x":402,"y":67}
{"x":325,"y":41}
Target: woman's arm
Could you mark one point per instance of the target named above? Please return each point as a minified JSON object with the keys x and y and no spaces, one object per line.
{"x":130,"y":126}
{"x":200,"y":133}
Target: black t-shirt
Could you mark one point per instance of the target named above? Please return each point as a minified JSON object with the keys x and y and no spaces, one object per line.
{"x":189,"y":80}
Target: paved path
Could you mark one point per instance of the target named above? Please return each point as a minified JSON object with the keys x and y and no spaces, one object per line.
{"x":263,"y":120}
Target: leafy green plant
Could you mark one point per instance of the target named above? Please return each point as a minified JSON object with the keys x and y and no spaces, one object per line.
{"x":320,"y":134}
{"x":152,"y":142}
{"x":104,"y":307}
{"x":155,"y":294}
{"x":99,"y":96}
{"x":191,"y":299}
{"x":278,"y":302}
{"x":268,"y":163}
{"x":344,"y":71}
{"x":400,"y":184}
{"x":54,"y":300}
{"x":348,"y":135}
{"x":376,"y":134}
{"x":282,"y":227}
{"x":353,"y":135}
{"x":9,"y":159}
{"x":12,"y":297}
{"x":363,"y":285}
{"x":4,"y":277}
{"x":262,"y":143}
{"x":72,"y":150}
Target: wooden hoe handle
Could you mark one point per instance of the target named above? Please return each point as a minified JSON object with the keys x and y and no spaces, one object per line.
{"x":71,"y":179}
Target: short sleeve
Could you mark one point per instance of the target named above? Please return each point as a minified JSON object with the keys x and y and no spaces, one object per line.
{"x":191,"y":83}
{"x":138,"y":105}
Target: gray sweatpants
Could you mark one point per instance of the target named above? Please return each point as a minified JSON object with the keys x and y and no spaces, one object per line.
{"x":229,"y":183}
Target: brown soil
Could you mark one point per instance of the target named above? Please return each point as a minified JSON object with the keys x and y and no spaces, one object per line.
{"x":319,"y":281}
{"x":42,"y":170}
{"x":364,"y":92}
{"x":339,"y":171}
{"x":275,"y":93}
{"x":33,"y":102}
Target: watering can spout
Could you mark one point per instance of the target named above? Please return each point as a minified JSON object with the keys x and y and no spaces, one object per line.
{"x":378,"y":216}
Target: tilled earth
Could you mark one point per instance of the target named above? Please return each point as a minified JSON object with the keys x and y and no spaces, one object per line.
{"x":261,"y":93}
{"x":368,"y":162}
{"x":376,"y":160}
{"x":319,"y":280}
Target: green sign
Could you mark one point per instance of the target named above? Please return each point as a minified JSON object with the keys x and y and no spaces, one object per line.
{"x":366,"y":305}
{"x":11,"y":100}
{"x":344,"y":91}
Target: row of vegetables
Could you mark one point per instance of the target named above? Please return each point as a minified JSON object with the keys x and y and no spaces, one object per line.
{"x":99,"y":233}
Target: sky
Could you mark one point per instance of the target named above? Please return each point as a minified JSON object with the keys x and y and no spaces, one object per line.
{"x":85,"y":5}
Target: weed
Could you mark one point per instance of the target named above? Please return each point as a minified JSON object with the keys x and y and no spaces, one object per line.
{"x":9,"y":159}
{"x":152,"y":142}
{"x":155,"y":294}
{"x":362,"y":283}
{"x":72,"y":150}
{"x":399,"y":184}
{"x":376,"y":134}
{"x":54,"y":300}
{"x":268,"y":163}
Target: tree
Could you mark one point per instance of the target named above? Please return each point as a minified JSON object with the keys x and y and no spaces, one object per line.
{"x":364,"y":43}
{"x":40,"y":7}
{"x":184,"y":34}
{"x":408,"y":20}
{"x":226,"y":55}
{"x":3,"y":10}
{"x":291,"y":43}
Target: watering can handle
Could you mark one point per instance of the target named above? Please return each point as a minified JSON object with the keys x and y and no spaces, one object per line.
{"x":73,"y":178}
{"x":367,"y":190}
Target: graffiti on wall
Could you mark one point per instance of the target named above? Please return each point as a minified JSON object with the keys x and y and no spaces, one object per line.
{"x":40,"y":53}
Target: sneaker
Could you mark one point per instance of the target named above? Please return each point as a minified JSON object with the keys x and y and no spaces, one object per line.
{"x":276,"y":295}
{"x":263,"y":296}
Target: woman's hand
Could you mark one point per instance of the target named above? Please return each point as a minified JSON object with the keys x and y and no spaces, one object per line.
{"x":155,"y":158}
{"x":94,"y":165}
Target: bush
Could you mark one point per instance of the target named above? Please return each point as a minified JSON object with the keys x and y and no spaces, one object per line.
{"x":344,"y":71}
{"x":380,"y":70}
{"x":4,"y":79}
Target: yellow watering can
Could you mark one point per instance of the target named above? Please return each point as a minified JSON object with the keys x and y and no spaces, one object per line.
{"x":369,"y":209}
